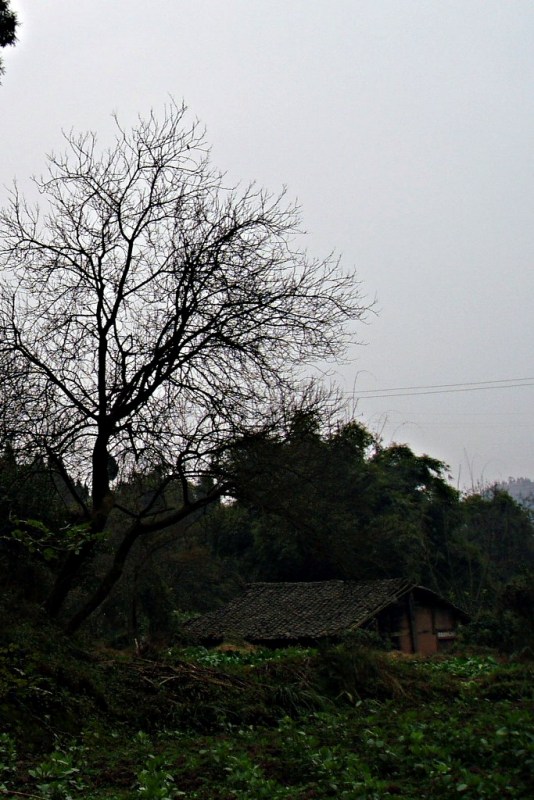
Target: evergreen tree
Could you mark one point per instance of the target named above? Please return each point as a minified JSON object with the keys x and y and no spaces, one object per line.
{"x":8,"y":27}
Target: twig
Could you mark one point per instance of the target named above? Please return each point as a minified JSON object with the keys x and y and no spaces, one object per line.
{"x":191,"y":670}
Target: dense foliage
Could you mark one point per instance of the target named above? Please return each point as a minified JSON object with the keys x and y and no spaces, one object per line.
{"x":312,"y":506}
{"x":304,"y":505}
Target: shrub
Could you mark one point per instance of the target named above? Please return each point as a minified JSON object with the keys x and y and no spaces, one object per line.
{"x":352,"y":672}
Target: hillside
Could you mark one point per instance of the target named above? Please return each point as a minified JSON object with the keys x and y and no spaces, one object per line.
{"x":521,"y":489}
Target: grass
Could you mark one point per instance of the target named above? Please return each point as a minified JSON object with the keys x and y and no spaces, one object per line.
{"x":301,"y":724}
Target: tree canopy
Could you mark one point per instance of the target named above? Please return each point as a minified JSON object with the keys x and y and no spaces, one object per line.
{"x":316,"y":505}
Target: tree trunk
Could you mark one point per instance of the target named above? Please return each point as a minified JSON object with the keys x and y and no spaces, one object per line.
{"x":108,"y":581}
{"x":65,"y":580}
{"x":137,"y":529}
{"x":102,"y":502}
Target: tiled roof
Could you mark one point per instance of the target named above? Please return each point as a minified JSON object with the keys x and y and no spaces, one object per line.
{"x":291,"y":611}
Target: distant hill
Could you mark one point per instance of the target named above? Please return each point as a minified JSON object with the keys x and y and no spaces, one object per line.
{"x":521,"y":489}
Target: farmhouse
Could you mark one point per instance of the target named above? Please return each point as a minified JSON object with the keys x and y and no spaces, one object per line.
{"x":413,"y":618}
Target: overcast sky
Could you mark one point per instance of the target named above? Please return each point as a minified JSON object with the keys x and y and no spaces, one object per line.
{"x":405,"y":128}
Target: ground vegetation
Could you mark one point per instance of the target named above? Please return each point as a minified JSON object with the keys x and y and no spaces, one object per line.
{"x":340,"y":721}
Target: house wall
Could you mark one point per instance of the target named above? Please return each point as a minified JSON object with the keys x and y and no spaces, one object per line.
{"x":435,"y":626}
{"x":394,"y":623}
{"x":404,"y":634}
{"x":432,"y":626}
{"x":427,"y":643}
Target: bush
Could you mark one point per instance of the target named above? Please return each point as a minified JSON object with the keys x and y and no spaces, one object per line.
{"x":352,"y":672}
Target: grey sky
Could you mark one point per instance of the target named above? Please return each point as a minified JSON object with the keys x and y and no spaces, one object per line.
{"x":404,"y":128}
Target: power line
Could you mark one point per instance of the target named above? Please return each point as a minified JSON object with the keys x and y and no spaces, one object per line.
{"x":445,"y":391}
{"x":444,"y":388}
{"x":448,"y":385}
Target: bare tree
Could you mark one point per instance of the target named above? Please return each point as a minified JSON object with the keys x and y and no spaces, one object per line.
{"x":149,"y":316}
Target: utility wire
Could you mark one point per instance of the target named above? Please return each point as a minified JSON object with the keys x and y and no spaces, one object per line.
{"x":448,"y":385}
{"x":444,"y":388}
